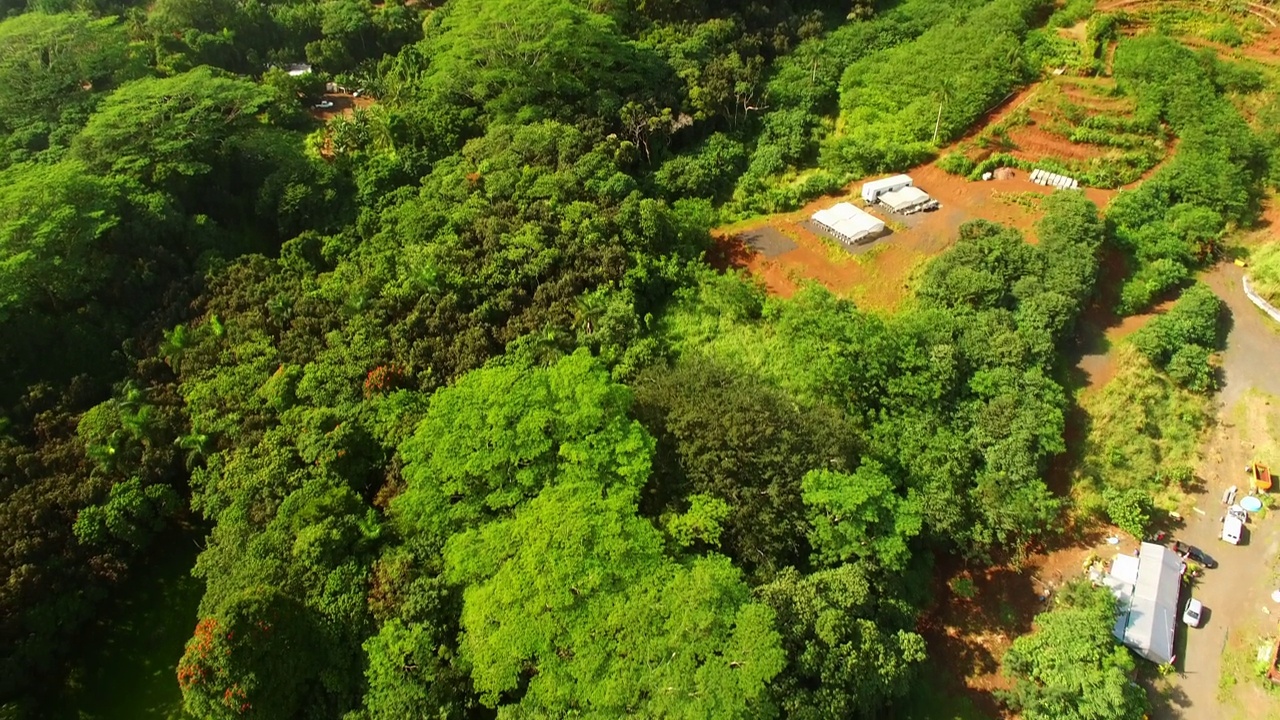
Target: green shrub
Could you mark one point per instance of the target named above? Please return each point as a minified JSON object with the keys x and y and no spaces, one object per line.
{"x":1129,"y":510}
{"x":957,"y":163}
{"x":708,"y":172}
{"x":963,"y":587}
{"x":1180,"y":341}
{"x":1193,"y":320}
{"x":1072,"y":12}
{"x":1190,"y":368}
{"x":1227,"y":34}
{"x":1045,"y":48}
{"x":1150,"y":282}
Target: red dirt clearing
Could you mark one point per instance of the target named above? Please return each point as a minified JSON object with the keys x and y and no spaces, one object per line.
{"x":343,"y":104}
{"x":973,"y":634}
{"x":881,"y":275}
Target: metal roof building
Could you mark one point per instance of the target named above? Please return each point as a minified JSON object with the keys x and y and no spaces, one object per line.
{"x":1146,"y":590}
{"x":907,"y":200}
{"x":872,"y":191}
{"x":849,"y":223}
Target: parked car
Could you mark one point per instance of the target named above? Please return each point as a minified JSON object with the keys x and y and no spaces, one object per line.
{"x":323,"y":105}
{"x":1232,"y":529}
{"x":1195,"y":553}
{"x":1191,"y":616}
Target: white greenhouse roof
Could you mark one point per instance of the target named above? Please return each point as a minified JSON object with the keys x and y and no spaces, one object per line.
{"x":905,"y":198}
{"x":848,"y":222}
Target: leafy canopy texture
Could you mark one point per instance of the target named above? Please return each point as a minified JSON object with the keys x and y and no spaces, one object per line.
{"x":1070,"y":667}
{"x":51,"y":61}
{"x":54,"y":223}
{"x":501,"y":434}
{"x":574,"y":599}
{"x":860,"y":515}
{"x":849,"y":657}
{"x":160,"y":129}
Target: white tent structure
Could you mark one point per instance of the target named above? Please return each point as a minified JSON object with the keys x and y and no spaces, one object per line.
{"x":849,"y":223}
{"x":1146,"y":590}
{"x":907,"y":200}
{"x":872,"y":191}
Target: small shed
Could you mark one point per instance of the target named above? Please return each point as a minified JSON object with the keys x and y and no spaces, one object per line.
{"x":907,"y":200}
{"x":298,"y":69}
{"x":872,"y":191}
{"x":1147,"y":600}
{"x":848,"y":223}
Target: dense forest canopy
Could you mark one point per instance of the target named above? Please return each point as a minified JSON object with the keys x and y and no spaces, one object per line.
{"x":444,"y":385}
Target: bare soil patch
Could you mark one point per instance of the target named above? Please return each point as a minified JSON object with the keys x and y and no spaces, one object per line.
{"x":1035,"y":143}
{"x":343,"y":104}
{"x":1099,"y":368}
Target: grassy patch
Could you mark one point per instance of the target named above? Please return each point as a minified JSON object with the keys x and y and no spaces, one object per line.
{"x":1141,"y":423}
{"x":1027,"y":200}
{"x":1257,"y":417}
{"x":1264,"y":271}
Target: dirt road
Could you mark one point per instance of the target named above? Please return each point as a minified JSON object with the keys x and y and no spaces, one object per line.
{"x":1236,"y":593}
{"x":1252,"y":356}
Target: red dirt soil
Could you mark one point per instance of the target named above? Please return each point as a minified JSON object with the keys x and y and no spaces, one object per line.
{"x":343,"y":104}
{"x":972,"y":635}
{"x":1035,"y":143}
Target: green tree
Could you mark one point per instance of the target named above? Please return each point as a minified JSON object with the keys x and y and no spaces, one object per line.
{"x":164,"y":131}
{"x":1070,"y":667}
{"x":546,"y":58}
{"x":860,"y":515}
{"x":250,"y":660}
{"x":503,"y":433}
{"x":571,"y":606}
{"x":54,"y":62}
{"x":846,"y":657}
{"x":55,"y":225}
{"x":133,"y":515}
{"x":409,"y":673}
{"x":731,"y":436}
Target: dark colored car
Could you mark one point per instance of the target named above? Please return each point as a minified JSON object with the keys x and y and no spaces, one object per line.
{"x":1195,"y":553}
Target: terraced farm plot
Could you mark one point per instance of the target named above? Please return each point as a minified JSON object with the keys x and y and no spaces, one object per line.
{"x":1084,"y":128}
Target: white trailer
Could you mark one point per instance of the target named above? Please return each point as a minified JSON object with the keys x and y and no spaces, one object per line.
{"x":872,"y":191}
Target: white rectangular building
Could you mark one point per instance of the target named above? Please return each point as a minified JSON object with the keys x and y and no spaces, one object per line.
{"x":850,"y":224}
{"x":1146,"y":590}
{"x":872,"y":191}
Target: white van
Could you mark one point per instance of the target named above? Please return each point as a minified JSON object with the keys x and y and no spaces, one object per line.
{"x":1232,"y":528}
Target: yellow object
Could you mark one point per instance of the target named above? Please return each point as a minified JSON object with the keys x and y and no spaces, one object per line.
{"x":1242,"y":263}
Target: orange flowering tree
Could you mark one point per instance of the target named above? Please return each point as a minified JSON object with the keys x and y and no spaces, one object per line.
{"x":250,"y":660}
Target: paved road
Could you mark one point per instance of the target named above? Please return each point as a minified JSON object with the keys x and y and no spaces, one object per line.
{"x":1236,"y":591}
